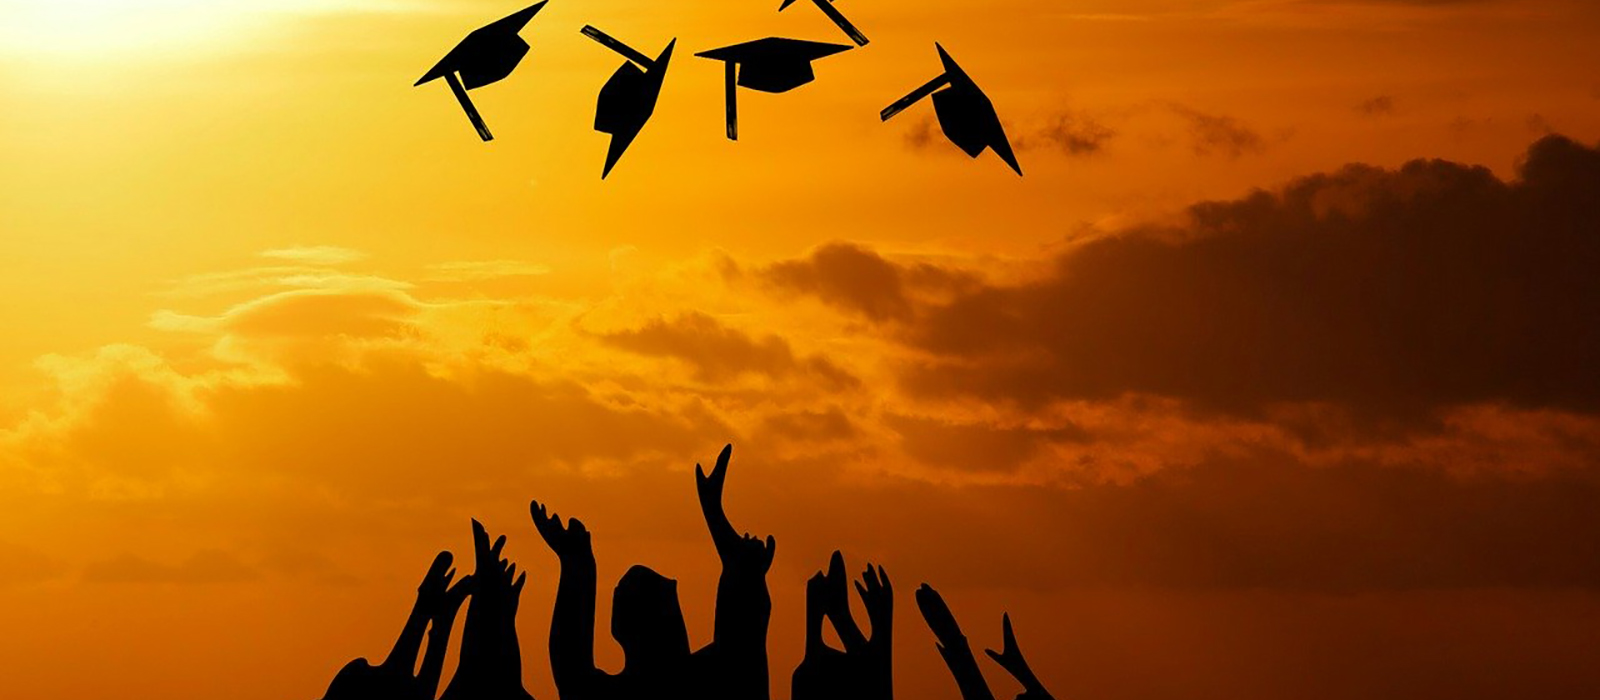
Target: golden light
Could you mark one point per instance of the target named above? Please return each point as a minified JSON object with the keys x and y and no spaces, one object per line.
{"x":99,"y":27}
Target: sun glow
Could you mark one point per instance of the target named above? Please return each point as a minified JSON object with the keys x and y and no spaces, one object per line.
{"x":98,"y":27}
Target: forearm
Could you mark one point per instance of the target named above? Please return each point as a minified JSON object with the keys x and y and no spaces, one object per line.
{"x":744,"y":609}
{"x":964,"y":667}
{"x":433,"y":659}
{"x":722,"y":533}
{"x":404,"y":653}
{"x":572,"y":626}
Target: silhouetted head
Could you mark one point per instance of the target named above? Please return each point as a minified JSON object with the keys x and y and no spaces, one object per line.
{"x":357,"y":679}
{"x":646,"y":619}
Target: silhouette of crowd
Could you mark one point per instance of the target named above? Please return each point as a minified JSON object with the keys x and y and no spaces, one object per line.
{"x":648,"y":624}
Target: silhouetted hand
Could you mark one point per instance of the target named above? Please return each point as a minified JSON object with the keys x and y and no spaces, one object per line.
{"x":1011,"y":660}
{"x":491,"y":660}
{"x":837,"y":605}
{"x":952,"y":645}
{"x":445,"y":604}
{"x":943,"y":624}
{"x":436,"y":602}
{"x":742,"y":553}
{"x":435,"y":586}
{"x":819,"y":597}
{"x":570,"y":543}
{"x":877,"y":594}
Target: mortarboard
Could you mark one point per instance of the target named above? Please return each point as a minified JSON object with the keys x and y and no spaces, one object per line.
{"x":965,"y":114}
{"x":487,"y":55}
{"x":833,"y":13}
{"x":629,"y":97}
{"x":769,"y":65}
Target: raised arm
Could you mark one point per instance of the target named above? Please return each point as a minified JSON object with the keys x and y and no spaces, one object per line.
{"x":744,"y":605}
{"x":572,"y":623}
{"x":952,"y":645}
{"x":403,"y":657}
{"x":877,"y":594}
{"x":838,"y":605}
{"x":444,"y":618}
{"x":491,"y":659}
{"x":1011,"y":660}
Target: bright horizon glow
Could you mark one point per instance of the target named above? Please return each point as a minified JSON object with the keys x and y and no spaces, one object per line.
{"x":97,"y":28}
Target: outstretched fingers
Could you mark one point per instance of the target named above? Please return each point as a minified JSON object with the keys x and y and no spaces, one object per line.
{"x":938,"y":616}
{"x":566,"y":540}
{"x":1011,"y":659}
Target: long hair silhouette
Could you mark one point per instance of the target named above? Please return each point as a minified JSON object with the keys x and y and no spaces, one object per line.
{"x":647,"y":620}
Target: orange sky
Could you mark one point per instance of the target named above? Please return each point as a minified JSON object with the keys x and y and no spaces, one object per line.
{"x":277,"y":325}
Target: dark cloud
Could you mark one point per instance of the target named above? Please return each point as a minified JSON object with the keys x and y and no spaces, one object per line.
{"x":1381,"y":105}
{"x":861,"y":281}
{"x":924,"y":133}
{"x":1220,"y":134}
{"x":811,"y":426}
{"x":717,"y":352}
{"x":1388,"y":292}
{"x":975,"y":447}
{"x":1071,"y":133}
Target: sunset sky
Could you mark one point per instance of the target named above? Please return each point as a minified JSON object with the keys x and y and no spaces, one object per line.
{"x":1275,"y":377}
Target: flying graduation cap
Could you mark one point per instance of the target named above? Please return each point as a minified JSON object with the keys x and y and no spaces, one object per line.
{"x":965,"y":114}
{"x":833,"y":13}
{"x":772,"y":64}
{"x":629,"y":97}
{"x":487,"y":55}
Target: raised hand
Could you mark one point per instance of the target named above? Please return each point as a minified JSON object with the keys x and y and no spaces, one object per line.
{"x":1012,"y":661}
{"x":746,"y":552}
{"x":446,"y":604}
{"x":952,"y":645}
{"x":570,"y":542}
{"x":491,"y":660}
{"x":837,"y":605}
{"x":436,"y":584}
{"x":939,"y":618}
{"x":877,"y":594}
{"x":394,"y":677}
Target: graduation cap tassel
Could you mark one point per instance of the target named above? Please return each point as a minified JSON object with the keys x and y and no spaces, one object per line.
{"x":916,"y":95}
{"x":836,"y":17}
{"x":733,"y":101}
{"x":466,"y":104}
{"x":844,"y":24}
{"x":612,"y":43}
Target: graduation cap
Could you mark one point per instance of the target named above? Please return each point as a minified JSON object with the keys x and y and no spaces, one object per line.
{"x":629,"y":97}
{"x":772,"y":64}
{"x":833,"y":13}
{"x":965,"y":114}
{"x":487,"y":55}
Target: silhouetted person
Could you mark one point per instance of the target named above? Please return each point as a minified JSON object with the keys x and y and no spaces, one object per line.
{"x":491,"y":661}
{"x":958,"y":656}
{"x":437,"y":603}
{"x":647,"y":618}
{"x":863,"y":671}
{"x":738,"y":649}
